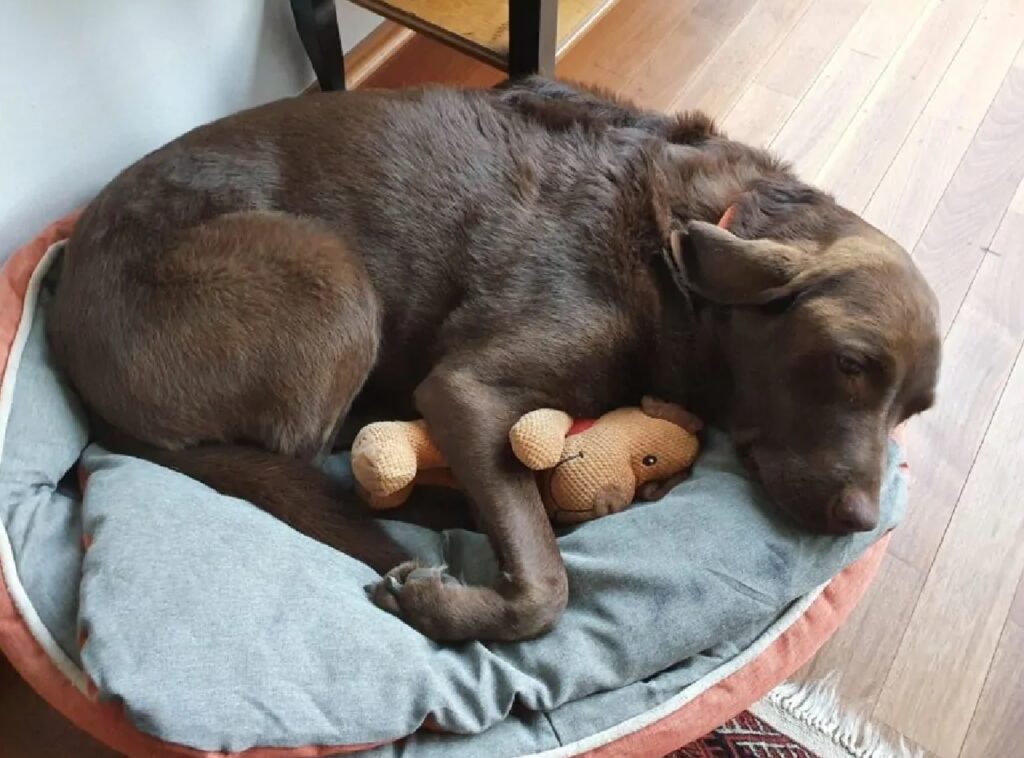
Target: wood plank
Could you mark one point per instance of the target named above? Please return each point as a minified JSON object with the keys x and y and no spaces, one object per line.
{"x":863,"y":648}
{"x":727,"y":72}
{"x":887,"y":115}
{"x":829,"y":105}
{"x":758,"y":115}
{"x":587,"y":74}
{"x":977,"y":357}
{"x":480,"y":27}
{"x":883,"y":27}
{"x":1017,"y":609}
{"x":908,"y":195}
{"x":998,"y":725}
{"x":810,"y":44}
{"x":1017,"y":201}
{"x":943,"y":442}
{"x":624,"y":38}
{"x":657,"y":82}
{"x":770,"y":99}
{"x":961,"y":229}
{"x":819,"y":121}
{"x":954,"y":630}
{"x":427,"y":61}
{"x":913,"y":184}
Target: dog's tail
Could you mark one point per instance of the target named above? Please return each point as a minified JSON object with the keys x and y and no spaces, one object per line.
{"x":291,"y":490}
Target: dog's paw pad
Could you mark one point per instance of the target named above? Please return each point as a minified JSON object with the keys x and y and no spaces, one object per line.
{"x":386,"y":593}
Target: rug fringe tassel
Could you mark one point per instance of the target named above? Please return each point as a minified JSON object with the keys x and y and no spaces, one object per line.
{"x":816,"y":706}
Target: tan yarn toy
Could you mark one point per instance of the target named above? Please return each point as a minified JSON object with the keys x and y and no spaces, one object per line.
{"x":586,"y":468}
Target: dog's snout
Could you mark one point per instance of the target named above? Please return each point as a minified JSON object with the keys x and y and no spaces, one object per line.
{"x":853,"y":510}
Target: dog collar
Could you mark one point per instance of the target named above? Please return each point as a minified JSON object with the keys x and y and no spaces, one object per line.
{"x":726,"y":220}
{"x":580,"y":425}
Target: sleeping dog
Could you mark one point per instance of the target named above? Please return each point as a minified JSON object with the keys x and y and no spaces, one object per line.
{"x":469,"y":256}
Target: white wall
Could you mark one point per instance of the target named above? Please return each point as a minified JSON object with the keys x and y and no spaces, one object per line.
{"x":89,"y":86}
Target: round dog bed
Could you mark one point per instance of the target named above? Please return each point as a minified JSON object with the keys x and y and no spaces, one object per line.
{"x":164,"y":618}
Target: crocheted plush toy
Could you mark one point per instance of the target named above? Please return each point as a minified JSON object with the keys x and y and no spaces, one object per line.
{"x":585,"y":468}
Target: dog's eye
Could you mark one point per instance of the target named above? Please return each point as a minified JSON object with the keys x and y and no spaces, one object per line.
{"x":849,"y":366}
{"x":649,"y":460}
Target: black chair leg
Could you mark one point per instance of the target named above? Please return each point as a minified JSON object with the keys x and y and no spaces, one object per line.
{"x":532,"y":37}
{"x":317,"y":24}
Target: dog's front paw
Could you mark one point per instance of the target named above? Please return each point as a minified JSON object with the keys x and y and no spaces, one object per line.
{"x":439,"y":606}
{"x":417,"y":594}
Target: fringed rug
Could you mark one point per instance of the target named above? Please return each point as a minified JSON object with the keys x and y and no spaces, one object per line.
{"x":796,"y":721}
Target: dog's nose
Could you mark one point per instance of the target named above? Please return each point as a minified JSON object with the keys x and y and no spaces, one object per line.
{"x":853,"y":511}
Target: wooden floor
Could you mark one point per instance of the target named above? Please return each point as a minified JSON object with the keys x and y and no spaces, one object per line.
{"x":912,"y":113}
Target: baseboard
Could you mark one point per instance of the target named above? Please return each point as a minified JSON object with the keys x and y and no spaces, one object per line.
{"x":374,"y":50}
{"x":371,"y":52}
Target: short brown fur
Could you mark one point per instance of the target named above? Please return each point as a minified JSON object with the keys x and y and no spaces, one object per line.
{"x":469,"y":256}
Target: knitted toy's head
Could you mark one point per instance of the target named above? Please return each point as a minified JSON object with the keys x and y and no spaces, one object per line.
{"x":589,"y":469}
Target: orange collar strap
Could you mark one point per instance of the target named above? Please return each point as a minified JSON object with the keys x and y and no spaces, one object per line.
{"x":726,"y":220}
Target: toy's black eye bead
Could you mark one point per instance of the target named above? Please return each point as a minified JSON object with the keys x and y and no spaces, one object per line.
{"x":649,"y":460}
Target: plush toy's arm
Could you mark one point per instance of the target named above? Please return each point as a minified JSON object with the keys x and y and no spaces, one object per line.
{"x":538,"y":438}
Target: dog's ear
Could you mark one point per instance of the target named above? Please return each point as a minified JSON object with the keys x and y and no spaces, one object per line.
{"x":728,"y":270}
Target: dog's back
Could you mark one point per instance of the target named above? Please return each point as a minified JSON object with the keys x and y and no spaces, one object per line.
{"x":437,"y":193}
{"x":242,"y":284}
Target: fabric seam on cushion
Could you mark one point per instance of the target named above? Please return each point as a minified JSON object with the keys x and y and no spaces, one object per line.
{"x":553,"y":728}
{"x":19,"y":597}
{"x":741,"y":587}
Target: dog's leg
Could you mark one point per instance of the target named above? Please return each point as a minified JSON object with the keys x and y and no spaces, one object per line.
{"x":470,"y":420}
{"x":254,"y":327}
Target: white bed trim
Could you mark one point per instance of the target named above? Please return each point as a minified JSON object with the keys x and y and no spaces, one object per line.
{"x":674,"y":703}
{"x":17,"y":592}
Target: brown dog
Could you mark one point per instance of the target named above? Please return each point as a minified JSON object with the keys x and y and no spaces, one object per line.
{"x":226,"y":299}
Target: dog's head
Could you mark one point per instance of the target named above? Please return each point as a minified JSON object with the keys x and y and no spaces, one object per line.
{"x":830,"y":342}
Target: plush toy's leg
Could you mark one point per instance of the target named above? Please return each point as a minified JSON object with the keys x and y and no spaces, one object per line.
{"x":387,"y":458}
{"x":381,"y":502}
{"x":384,"y":459}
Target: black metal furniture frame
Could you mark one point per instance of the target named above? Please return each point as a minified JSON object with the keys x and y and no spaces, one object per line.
{"x":532,"y":26}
